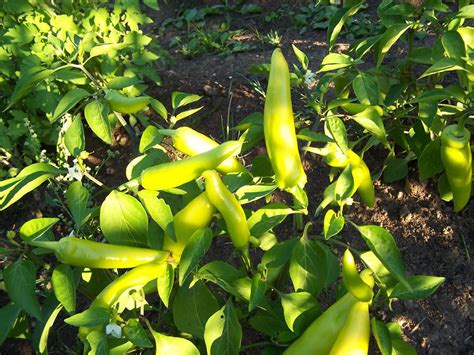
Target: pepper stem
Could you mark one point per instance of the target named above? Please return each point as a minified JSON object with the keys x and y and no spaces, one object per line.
{"x":44,"y":244}
{"x":167,"y":132}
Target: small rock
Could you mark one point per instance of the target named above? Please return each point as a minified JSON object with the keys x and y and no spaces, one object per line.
{"x":209,"y":90}
{"x":400,"y":195}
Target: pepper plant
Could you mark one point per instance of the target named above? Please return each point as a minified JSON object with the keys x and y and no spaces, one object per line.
{"x":406,"y":106}
{"x":63,"y":62}
{"x":163,"y":224}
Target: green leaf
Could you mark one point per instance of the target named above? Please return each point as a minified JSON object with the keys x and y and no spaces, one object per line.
{"x":371,"y":120}
{"x":152,"y":4}
{"x":77,"y":199}
{"x":160,"y":109}
{"x":399,"y":346}
{"x":43,"y":343}
{"x":310,"y":267}
{"x":307,"y":135}
{"x":20,"y":284}
{"x":444,"y":190}
{"x":159,"y":210}
{"x":123,"y":220}
{"x":90,"y":317}
{"x":344,"y":184}
{"x":192,"y":307}
{"x":68,"y":101}
{"x":96,"y":113}
{"x":444,"y":65}
{"x":466,"y":12}
{"x":337,"y":129}
{"x":28,"y":80}
{"x":37,"y":229}
{"x":184,"y":114}
{"x":11,"y":190}
{"x":151,"y":138}
{"x":396,"y":169}
{"x":167,"y":345}
{"x":268,"y":217}
{"x":382,"y":336}
{"x":429,"y":162}
{"x":334,"y":61}
{"x":227,"y":277}
{"x":8,"y":314}
{"x":165,"y":285}
{"x":134,"y":332}
{"x":390,"y":36}
{"x":251,"y":193}
{"x":383,"y":245}
{"x":63,"y":282}
{"x":195,"y":249}
{"x":257,"y":292}
{"x":102,"y":49}
{"x":276,"y":258}
{"x":332,"y":224}
{"x":366,"y":88}
{"x":179,"y":99}
{"x":97,"y":340}
{"x":338,"y":20}
{"x":151,"y":158}
{"x":453,"y":44}
{"x":302,"y":57}
{"x":421,"y":287}
{"x":223,"y":333}
{"x":120,"y":82}
{"x":385,"y":279}
{"x":74,"y":139}
{"x":299,"y":307}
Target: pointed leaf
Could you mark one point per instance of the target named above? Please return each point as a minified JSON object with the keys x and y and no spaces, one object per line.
{"x":74,"y":139}
{"x":96,"y":113}
{"x":20,"y":283}
{"x":123,"y":220}
{"x":68,"y":101}
{"x":195,"y":249}
{"x":223,"y":333}
{"x":64,"y":288}
{"x":165,"y":285}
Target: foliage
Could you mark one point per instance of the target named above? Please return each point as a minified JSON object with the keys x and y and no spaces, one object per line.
{"x":274,"y":277}
{"x":57,"y":58}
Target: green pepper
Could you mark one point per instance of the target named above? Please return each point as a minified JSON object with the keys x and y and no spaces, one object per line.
{"x":230,"y":209}
{"x":457,"y":160}
{"x":191,"y":142}
{"x":168,"y":175}
{"x":125,"y":104}
{"x":86,"y":253}
{"x":321,"y":335}
{"x":362,"y":179}
{"x":353,"y":281}
{"x":279,"y":127}
{"x":355,"y":334}
{"x":196,"y":215}
{"x":134,"y":278}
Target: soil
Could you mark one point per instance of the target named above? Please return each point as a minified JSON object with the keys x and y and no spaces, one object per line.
{"x":432,"y":238}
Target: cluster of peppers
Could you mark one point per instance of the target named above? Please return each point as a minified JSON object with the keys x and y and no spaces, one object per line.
{"x":344,"y":328}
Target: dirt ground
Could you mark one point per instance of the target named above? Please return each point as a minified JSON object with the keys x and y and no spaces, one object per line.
{"x":432,"y":238}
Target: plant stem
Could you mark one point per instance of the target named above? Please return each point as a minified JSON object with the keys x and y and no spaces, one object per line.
{"x":259,"y":345}
{"x":129,"y":131}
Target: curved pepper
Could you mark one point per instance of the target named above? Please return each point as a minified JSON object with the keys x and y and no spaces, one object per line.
{"x":176,"y":173}
{"x":125,"y":104}
{"x":457,"y":160}
{"x":321,"y":335}
{"x":229,"y":208}
{"x":355,"y":334}
{"x":86,"y":253}
{"x":353,"y":281}
{"x":279,"y":127}
{"x":362,"y":179}
{"x":191,"y":142}
{"x":196,"y":215}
